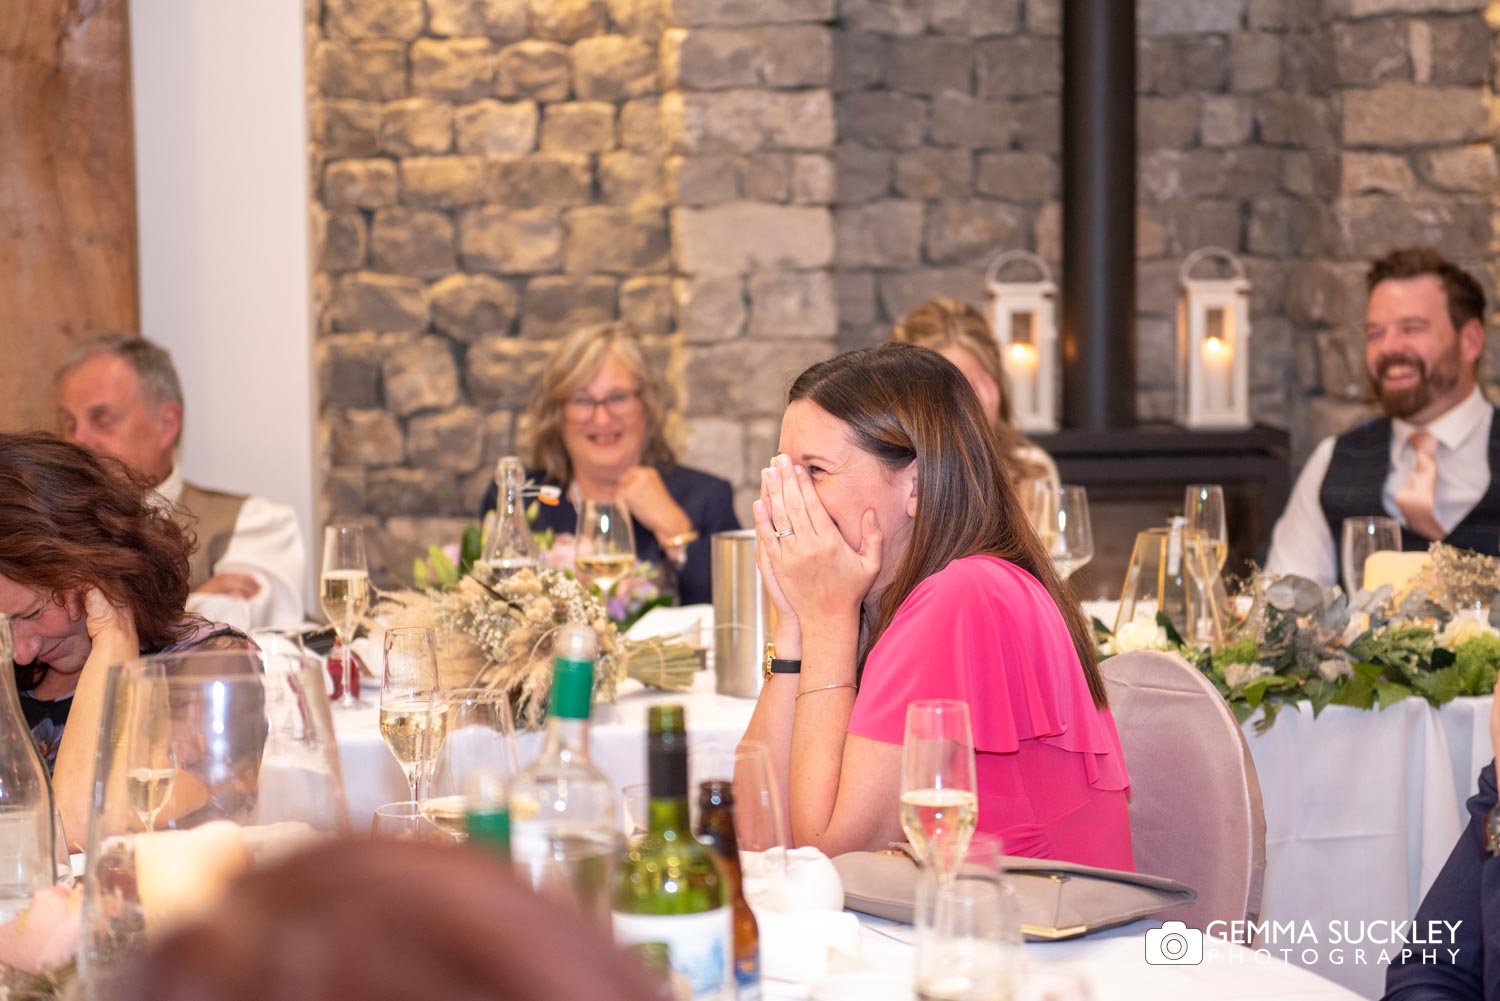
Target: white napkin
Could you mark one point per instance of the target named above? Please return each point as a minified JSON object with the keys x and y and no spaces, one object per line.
{"x":693,"y":624}
{"x":798,"y":902}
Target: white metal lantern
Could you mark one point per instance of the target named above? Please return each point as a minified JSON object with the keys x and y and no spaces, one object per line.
{"x":1213,"y":345}
{"x":1024,"y":318}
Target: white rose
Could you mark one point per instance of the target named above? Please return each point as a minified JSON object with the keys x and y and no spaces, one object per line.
{"x":1240,"y":675}
{"x":1332,"y":669}
{"x":1460,"y":630}
{"x":1141,"y":634}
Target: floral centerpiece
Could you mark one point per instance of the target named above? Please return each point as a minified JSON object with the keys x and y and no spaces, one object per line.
{"x":495,"y":631}
{"x":1294,"y":640}
{"x":38,"y":946}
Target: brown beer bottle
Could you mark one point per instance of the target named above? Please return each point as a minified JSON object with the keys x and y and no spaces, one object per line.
{"x":716,"y":830}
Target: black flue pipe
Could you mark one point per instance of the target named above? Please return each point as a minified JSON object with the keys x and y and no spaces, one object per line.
{"x":1098,"y":214}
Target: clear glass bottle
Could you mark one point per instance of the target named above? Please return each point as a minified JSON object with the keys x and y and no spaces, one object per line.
{"x":28,"y":833}
{"x":563,"y":835}
{"x":510,"y":546}
{"x":669,"y":888}
{"x":716,"y":830}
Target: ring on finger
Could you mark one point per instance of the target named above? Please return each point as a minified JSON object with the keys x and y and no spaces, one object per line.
{"x":785,"y":532}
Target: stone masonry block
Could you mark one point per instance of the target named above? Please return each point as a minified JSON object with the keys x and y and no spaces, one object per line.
{"x":855,"y":291}
{"x":613,"y":240}
{"x":640,"y":126}
{"x":648,"y":303}
{"x":889,"y":17}
{"x":1403,"y":114}
{"x":966,"y":229}
{"x":639,"y":18}
{"x":1371,"y":225}
{"x":457,"y":69}
{"x":450,"y":439}
{"x":486,"y":127}
{"x":536,"y":179}
{"x":704,"y":180}
{"x":366,"y":184}
{"x":345,"y":242}
{"x":349,"y":128}
{"x":1017,"y":177}
{"x":400,"y":19}
{"x":903,"y":291}
{"x":533,"y":69}
{"x":420,"y":375}
{"x":1226,"y":121}
{"x":702,"y":13}
{"x":1254,"y":62}
{"x":1167,"y":122}
{"x":503,"y":19}
{"x":710,"y":309}
{"x":741,"y":237}
{"x":860,"y":59}
{"x":934,"y":173}
{"x":1372,"y":172}
{"x":718,"y":446}
{"x":348,"y":369}
{"x":776,"y":57}
{"x":813,"y":179}
{"x":768,"y":177}
{"x":717,"y":384}
{"x":978,"y":18}
{"x":1366,"y":52}
{"x":613,"y":68}
{"x":556,"y":304}
{"x":366,"y":71}
{"x":961,"y":120}
{"x":568,"y":20}
{"x":442,"y":181}
{"x":1169,"y":17}
{"x":748,"y":120}
{"x":506,"y":241}
{"x":1464,"y":168}
{"x":627,"y":178}
{"x":503,"y":371}
{"x":366,"y":301}
{"x":410,"y":492}
{"x":413,"y":242}
{"x":793,"y":304}
{"x":364,"y":438}
{"x":1018,"y":67}
{"x":880,"y":234}
{"x":466,"y":307}
{"x":931,"y":64}
{"x":883,"y":118}
{"x":416,"y":126}
{"x":579,"y":127}
{"x":862,"y":174}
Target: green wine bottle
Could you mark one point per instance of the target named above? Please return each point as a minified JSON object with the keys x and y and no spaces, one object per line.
{"x":671,"y":889}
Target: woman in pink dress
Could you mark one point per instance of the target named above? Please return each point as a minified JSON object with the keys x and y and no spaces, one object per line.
{"x":903,"y":569}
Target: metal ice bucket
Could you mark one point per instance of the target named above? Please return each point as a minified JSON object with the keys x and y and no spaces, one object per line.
{"x":743,"y":616}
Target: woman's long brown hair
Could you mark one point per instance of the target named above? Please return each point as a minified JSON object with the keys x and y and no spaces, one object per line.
{"x":906,"y":404}
{"x":70,"y":521}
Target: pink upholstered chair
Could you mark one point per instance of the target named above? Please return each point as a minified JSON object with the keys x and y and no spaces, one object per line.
{"x":1195,"y":807}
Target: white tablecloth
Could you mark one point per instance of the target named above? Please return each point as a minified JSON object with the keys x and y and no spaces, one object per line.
{"x":1361,"y":807}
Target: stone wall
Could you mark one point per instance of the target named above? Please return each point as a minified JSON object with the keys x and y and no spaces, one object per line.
{"x":755,"y":186}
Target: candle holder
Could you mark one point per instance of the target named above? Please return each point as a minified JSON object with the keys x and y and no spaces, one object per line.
{"x":1024,"y":318}
{"x":1213,"y":342}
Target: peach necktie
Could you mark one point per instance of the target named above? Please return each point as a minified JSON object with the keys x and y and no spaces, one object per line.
{"x":1418,"y":494}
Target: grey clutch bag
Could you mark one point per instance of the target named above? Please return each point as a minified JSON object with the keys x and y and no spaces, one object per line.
{"x":1055,"y":900}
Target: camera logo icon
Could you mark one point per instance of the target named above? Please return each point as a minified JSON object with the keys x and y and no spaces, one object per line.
{"x":1174,"y":944}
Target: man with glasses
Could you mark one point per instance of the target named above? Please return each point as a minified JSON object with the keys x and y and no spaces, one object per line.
{"x":1428,"y":461}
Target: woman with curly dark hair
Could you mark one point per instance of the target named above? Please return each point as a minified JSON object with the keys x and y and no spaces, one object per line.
{"x":91,"y":574}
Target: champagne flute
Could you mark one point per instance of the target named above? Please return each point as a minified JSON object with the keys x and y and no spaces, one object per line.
{"x":1203,"y":504}
{"x":151,"y":761}
{"x":1363,"y":536}
{"x":939,"y":794}
{"x":1061,"y":519}
{"x":605,"y":547}
{"x":345,"y":593}
{"x":471,"y":757}
{"x":406,"y":688}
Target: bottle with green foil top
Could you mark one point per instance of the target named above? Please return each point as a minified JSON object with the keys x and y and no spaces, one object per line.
{"x":716,"y":830}
{"x":488,"y":827}
{"x":671,"y":889}
{"x":563,"y":835}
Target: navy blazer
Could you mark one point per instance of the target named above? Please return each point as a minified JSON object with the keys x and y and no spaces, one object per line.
{"x":707,"y":501}
{"x":1467,"y":891}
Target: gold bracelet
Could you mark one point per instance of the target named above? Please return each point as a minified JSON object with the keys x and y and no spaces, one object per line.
{"x":825,"y":688}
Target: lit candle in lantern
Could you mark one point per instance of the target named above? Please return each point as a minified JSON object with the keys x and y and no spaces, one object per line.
{"x":1021,"y":363}
{"x":1218,"y":371}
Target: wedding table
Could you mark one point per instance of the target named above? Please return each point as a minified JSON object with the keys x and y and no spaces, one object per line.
{"x":1362,"y":808}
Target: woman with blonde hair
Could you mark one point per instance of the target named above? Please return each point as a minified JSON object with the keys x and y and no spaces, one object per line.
{"x":598,"y":427}
{"x":961,"y":334}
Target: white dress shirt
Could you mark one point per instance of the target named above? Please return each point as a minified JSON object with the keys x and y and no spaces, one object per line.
{"x":1301,"y":542}
{"x":267,"y":545}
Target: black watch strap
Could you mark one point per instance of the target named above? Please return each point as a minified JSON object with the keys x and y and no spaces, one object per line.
{"x":779,"y":666}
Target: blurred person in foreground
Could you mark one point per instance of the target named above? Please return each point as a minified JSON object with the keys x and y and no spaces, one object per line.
{"x":961,"y":334}
{"x":597,"y":428}
{"x":92,"y":574}
{"x":894,"y":549}
{"x":1461,"y":909}
{"x":387,"y":921}
{"x":1429,"y":461}
{"x":118,"y":395}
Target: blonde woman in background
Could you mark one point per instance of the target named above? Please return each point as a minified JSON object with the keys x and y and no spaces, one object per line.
{"x":961,"y":334}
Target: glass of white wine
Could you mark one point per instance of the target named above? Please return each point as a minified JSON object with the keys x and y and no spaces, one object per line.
{"x":151,"y":761}
{"x":605,"y":544}
{"x":1060,"y":516}
{"x":1203,"y":504}
{"x":406,"y":686}
{"x":939,"y":795}
{"x":345,"y":594}
{"x":471,"y":756}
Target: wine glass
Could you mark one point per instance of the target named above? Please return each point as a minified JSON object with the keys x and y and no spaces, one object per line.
{"x":151,"y":760}
{"x":345,"y":593}
{"x":1362,"y":536}
{"x":403,"y":821}
{"x":1203,"y":504}
{"x":967,"y":929}
{"x":605,"y":544}
{"x":939,"y":794}
{"x":760,"y":825}
{"x":470,"y":757}
{"x":406,"y":686}
{"x":1061,"y":518}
